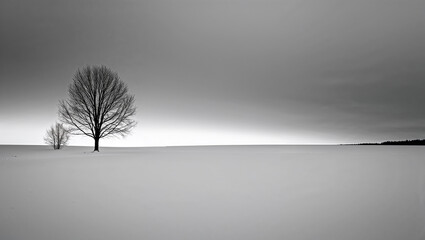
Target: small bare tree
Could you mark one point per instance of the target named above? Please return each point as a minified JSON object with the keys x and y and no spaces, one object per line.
{"x":98,"y":104}
{"x":57,"y":136}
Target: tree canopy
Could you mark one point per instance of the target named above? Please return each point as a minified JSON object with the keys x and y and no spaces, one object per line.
{"x":98,"y":105}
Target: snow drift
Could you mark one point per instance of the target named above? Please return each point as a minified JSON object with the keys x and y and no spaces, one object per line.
{"x":229,"y":192}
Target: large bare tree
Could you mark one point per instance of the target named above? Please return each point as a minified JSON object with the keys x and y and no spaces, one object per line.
{"x":57,"y":136}
{"x":99,"y":104}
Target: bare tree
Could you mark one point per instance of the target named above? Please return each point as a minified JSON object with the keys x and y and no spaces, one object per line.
{"x":98,"y":105}
{"x":57,"y":136}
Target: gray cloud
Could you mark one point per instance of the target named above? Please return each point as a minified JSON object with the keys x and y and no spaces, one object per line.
{"x":350,"y":70}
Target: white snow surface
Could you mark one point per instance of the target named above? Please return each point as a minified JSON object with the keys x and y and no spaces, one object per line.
{"x":227,"y":192}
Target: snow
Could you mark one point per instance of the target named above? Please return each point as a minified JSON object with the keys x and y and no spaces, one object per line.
{"x":228,"y":192}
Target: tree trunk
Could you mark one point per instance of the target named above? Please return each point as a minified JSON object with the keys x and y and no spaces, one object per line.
{"x":96,"y":144}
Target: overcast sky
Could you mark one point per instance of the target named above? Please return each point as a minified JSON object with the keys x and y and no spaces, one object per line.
{"x":222,"y":71}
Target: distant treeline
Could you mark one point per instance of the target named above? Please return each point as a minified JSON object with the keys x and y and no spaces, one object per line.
{"x":405,"y":142}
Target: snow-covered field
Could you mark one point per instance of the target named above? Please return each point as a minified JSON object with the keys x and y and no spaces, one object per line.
{"x":245,"y":192}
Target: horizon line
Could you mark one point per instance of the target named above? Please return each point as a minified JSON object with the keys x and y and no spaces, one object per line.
{"x":195,"y":145}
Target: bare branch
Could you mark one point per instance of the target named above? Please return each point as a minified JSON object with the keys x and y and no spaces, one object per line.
{"x":57,"y":136}
{"x":99,"y":104}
